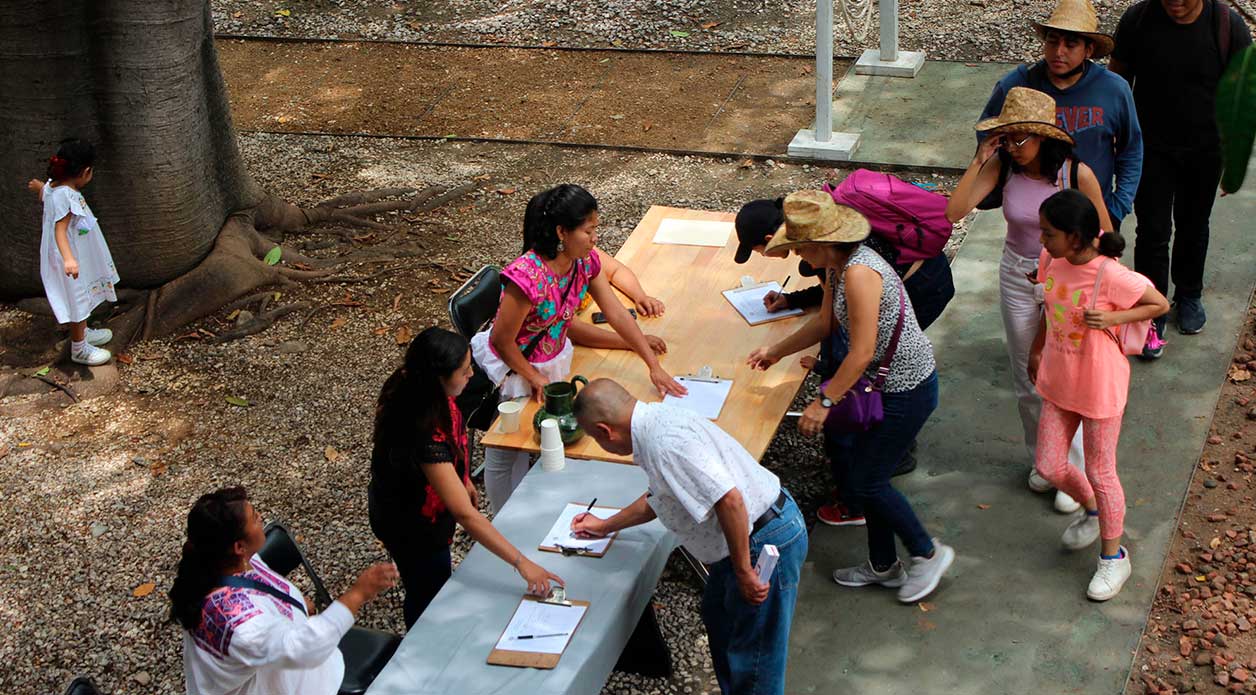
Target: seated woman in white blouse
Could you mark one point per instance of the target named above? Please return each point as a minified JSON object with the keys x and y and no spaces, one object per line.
{"x":247,"y":630}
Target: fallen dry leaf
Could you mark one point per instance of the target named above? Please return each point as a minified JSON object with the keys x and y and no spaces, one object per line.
{"x":143,"y":590}
{"x":1238,"y":374}
{"x":646,"y":126}
{"x":340,"y":321}
{"x":710,"y":25}
{"x":381,"y":330}
{"x":397,"y":302}
{"x":4,"y":451}
{"x":506,"y":191}
{"x":746,"y":164}
{"x":549,"y":44}
{"x":1216,"y":541}
{"x":404,"y":335}
{"x":926,"y":607}
{"x":124,"y":358}
{"x":983,"y":507}
{"x":331,"y":454}
{"x":481,"y":177}
{"x":926,"y":625}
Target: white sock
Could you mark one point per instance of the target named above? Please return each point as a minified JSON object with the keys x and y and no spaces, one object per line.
{"x":78,"y":346}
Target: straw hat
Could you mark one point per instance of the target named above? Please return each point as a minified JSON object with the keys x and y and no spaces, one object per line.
{"x":1077,"y":17}
{"x":811,"y":217}
{"x":1026,"y":110}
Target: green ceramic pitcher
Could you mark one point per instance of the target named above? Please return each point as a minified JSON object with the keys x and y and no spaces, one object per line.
{"x":560,"y":399}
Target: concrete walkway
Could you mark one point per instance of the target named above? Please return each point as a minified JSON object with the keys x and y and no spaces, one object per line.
{"x":1012,"y":615}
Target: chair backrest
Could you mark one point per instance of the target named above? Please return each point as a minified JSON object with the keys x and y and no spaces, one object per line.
{"x":282,"y":554}
{"x":82,"y":686}
{"x":475,"y":303}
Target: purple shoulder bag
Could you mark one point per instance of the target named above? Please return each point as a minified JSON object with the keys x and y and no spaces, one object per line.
{"x":860,"y":409}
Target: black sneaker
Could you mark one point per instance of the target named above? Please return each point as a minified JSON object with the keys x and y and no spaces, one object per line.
{"x":1155,"y":342}
{"x":907,"y":465}
{"x":1190,"y":315}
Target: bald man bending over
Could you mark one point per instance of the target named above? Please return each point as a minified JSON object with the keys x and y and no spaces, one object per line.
{"x":708,"y":490}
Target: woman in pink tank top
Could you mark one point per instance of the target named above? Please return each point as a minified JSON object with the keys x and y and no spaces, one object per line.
{"x":1033,"y":162}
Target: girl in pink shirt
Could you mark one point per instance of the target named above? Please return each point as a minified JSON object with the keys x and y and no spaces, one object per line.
{"x":1082,"y":373}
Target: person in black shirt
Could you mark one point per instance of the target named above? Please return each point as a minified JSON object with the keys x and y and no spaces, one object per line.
{"x":420,"y":478}
{"x":1173,"y":52}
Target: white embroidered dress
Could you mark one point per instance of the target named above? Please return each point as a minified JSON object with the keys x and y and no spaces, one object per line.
{"x":252,"y":643}
{"x":73,"y":299}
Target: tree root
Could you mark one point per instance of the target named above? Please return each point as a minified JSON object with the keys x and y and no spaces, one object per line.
{"x":260,"y":323}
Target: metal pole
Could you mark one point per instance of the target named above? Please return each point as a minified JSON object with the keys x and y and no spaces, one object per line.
{"x":824,"y":70}
{"x":889,"y":30}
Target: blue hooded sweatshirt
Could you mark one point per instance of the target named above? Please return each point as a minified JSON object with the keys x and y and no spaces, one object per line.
{"x":1098,"y":111}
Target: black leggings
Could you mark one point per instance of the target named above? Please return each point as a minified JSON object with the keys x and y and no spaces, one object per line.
{"x":423,"y":572}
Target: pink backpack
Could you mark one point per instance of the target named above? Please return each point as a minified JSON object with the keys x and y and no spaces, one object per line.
{"x":1130,"y":337}
{"x":910,"y":218}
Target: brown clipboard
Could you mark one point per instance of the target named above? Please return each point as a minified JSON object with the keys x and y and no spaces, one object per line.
{"x":525,"y":659}
{"x":582,"y":553}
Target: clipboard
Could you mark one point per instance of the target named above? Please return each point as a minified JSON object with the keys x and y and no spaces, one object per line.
{"x":580,"y":551}
{"x":712,"y":387}
{"x":751,"y":308}
{"x":526,"y":659}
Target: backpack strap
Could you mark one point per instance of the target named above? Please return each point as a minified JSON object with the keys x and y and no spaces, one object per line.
{"x":1221,"y":13}
{"x":1067,"y":176}
{"x":238,"y":582}
{"x":1094,"y":299}
{"x":883,"y":369}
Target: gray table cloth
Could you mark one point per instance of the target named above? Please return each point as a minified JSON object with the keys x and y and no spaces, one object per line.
{"x":445,"y":651}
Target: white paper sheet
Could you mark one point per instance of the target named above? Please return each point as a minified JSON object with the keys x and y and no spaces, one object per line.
{"x":536,"y":618}
{"x":693,"y":232}
{"x":749,"y":303}
{"x":560,"y":534}
{"x":706,"y":396}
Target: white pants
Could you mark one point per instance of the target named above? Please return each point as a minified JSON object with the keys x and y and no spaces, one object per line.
{"x":1020,"y":303}
{"x":503,"y":471}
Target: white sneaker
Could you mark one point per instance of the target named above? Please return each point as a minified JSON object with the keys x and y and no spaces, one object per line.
{"x":1037,"y":483}
{"x":98,"y":336}
{"x":1065,"y":504}
{"x":1109,"y":577}
{"x":1082,"y":533}
{"x":925,"y":573}
{"x":91,"y":356}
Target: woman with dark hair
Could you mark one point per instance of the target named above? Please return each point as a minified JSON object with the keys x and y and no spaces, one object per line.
{"x":247,"y":630}
{"x":863,"y":293}
{"x":527,"y":346}
{"x":420,"y":473}
{"x":1034,"y":160}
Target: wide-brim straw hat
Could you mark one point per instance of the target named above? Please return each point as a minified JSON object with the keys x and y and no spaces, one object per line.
{"x":1026,"y":110}
{"x":1077,"y":17}
{"x":811,"y":217}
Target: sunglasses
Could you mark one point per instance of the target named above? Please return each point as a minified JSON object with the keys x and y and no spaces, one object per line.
{"x":1014,"y":145}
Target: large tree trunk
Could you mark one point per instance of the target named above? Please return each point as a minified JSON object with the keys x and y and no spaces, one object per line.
{"x":139,"y":79}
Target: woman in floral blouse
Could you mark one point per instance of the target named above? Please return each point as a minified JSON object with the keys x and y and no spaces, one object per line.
{"x":541,"y":292}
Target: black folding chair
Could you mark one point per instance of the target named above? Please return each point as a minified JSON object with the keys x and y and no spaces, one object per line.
{"x":82,"y":686}
{"x":474,"y":304}
{"x":365,"y":651}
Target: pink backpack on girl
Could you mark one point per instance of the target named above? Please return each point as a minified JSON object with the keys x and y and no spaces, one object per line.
{"x":1130,"y":337}
{"x":910,"y":218}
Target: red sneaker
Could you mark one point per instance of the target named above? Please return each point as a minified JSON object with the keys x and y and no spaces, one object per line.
{"x":838,"y":515}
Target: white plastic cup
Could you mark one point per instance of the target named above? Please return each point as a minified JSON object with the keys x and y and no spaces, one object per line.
{"x":508,"y":416}
{"x":553,"y":459}
{"x":551,"y":438}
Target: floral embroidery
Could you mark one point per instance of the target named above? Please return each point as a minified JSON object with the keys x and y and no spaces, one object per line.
{"x":544,"y":290}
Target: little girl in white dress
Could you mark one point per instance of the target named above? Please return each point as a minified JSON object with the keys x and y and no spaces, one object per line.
{"x":74,"y":261}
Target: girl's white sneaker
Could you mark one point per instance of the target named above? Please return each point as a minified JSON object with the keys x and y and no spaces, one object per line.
{"x":1109,"y":577}
{"x":98,"y":336}
{"x":91,"y":356}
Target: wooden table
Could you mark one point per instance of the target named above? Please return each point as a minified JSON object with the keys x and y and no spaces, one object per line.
{"x":701,"y":328}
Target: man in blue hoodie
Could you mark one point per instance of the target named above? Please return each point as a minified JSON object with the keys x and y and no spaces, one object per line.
{"x":1093,"y":105}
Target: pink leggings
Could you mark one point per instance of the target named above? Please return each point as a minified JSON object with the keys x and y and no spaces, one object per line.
{"x":1055,"y":430}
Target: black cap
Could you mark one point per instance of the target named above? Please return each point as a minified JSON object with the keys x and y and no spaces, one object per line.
{"x":756,"y":221}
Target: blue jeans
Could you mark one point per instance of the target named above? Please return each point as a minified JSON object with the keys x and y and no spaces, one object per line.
{"x":870,"y":459}
{"x":749,"y":644}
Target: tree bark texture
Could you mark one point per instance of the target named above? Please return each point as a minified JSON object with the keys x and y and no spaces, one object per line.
{"x":140,"y":80}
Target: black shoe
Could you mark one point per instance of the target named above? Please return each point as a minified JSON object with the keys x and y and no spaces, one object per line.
{"x":1190,"y":315}
{"x":907,"y":465}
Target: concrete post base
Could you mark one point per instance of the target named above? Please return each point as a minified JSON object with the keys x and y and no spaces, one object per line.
{"x":841,"y":147}
{"x":907,"y":65}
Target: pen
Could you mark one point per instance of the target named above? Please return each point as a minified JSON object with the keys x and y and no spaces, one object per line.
{"x":556,"y":634}
{"x":787,"y":279}
{"x":590,"y":507}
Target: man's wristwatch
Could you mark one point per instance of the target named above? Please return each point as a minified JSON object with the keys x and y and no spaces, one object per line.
{"x":825,"y":402}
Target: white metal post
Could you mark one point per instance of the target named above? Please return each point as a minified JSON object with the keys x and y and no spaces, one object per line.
{"x":889,"y":30}
{"x":824,"y":70}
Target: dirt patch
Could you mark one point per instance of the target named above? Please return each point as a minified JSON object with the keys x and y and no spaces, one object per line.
{"x":709,"y":103}
{"x":1201,"y":634}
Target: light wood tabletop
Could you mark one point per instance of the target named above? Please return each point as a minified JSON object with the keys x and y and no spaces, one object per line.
{"x":701,"y":329}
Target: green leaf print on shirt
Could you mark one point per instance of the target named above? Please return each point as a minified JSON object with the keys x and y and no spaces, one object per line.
{"x":84,"y":231}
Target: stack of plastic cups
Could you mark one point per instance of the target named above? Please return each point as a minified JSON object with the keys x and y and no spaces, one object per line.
{"x":553,"y":458}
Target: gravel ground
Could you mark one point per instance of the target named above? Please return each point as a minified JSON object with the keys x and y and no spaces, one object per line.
{"x":970,"y":30}
{"x":97,"y":492}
